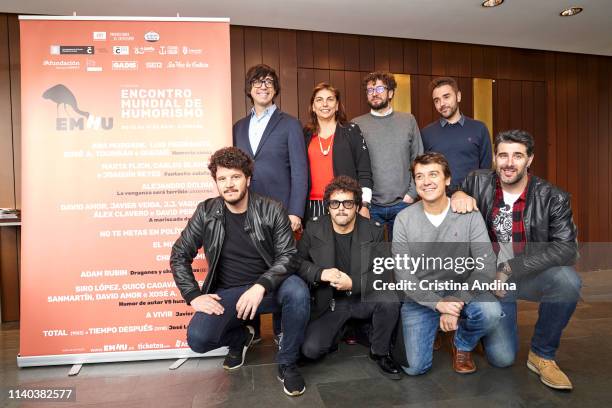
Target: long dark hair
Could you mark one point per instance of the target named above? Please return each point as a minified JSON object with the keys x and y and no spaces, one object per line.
{"x":313,"y":125}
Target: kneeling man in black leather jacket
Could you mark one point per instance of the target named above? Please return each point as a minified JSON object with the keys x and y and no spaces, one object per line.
{"x":251,"y":255}
{"x":531,"y":226}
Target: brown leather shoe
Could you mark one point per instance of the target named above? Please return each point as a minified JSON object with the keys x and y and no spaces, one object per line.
{"x":462,"y":360}
{"x":549,"y":372}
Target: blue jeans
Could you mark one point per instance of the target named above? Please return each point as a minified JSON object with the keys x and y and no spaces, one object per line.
{"x":420,"y":325}
{"x":558,"y":291}
{"x":386,"y":215}
{"x":208,"y":332}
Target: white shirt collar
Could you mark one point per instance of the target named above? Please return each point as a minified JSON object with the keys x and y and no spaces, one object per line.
{"x":387,"y":113}
{"x":267,"y":112}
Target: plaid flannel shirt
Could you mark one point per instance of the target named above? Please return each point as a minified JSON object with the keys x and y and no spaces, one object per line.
{"x":519,"y":238}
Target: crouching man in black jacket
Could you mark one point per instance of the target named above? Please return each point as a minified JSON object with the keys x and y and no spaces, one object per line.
{"x":531,"y":226}
{"x":251,"y":257}
{"x":331,"y":251}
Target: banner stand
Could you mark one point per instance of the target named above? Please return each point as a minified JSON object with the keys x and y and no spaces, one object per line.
{"x":116,"y":357}
{"x":120,"y":116}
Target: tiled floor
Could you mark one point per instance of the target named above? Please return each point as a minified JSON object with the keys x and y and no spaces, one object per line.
{"x":343,"y":379}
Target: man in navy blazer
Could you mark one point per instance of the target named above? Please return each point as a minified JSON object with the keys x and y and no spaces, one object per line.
{"x":274,"y":140}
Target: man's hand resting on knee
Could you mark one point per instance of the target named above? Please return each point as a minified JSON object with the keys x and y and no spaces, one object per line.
{"x":249,"y":302}
{"x":208,"y":304}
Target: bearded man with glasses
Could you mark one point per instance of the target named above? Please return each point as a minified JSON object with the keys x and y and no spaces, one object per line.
{"x":332,"y":251}
{"x":393,"y":140}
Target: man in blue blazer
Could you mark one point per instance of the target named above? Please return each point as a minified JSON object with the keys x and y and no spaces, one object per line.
{"x":274,"y":140}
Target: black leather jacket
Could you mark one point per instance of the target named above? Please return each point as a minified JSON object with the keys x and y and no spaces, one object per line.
{"x":267,"y":223}
{"x":547,"y":218}
{"x":317,"y":251}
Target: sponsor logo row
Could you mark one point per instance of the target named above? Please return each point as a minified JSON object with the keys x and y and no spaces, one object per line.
{"x":123,"y":50}
{"x":133,"y":65}
{"x":92,"y":66}
{"x":150,"y":36}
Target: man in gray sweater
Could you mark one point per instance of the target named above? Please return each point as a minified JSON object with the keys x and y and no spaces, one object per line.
{"x":393,"y":140}
{"x":449,"y":286}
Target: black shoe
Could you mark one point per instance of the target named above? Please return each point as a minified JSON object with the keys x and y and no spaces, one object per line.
{"x":235,"y":356}
{"x":292,"y":380}
{"x":387,"y":366}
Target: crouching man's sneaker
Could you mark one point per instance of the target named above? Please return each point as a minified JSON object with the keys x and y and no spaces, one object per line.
{"x":235,"y":356}
{"x":292,"y":380}
{"x":549,"y":372}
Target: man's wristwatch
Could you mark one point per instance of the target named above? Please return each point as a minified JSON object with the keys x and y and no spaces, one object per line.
{"x":365,"y":204}
{"x":504,"y":268}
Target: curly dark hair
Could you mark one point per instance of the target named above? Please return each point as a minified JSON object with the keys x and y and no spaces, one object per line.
{"x":313,"y":124}
{"x":230,"y":158}
{"x":516,"y":136}
{"x":441,"y":81}
{"x":346,"y":184}
{"x":386,"y":78}
{"x":432,"y":158}
{"x":260,"y":71}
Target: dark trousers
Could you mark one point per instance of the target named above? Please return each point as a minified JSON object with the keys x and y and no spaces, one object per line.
{"x":208,"y":332}
{"x":324,"y":332}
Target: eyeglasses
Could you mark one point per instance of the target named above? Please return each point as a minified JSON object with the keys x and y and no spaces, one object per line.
{"x":378,"y":89}
{"x":257,"y":83}
{"x":335,"y":204}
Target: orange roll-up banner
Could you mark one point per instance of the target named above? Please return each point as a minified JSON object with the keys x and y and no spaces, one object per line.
{"x":119,"y":119}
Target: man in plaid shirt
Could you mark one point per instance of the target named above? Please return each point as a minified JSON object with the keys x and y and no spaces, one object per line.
{"x":531,"y":225}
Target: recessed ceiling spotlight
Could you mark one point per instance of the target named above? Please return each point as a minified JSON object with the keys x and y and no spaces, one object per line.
{"x":570,"y":11}
{"x":492,"y":3}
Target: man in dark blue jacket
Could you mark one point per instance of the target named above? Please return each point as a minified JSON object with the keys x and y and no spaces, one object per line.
{"x":274,"y":140}
{"x":465,"y":142}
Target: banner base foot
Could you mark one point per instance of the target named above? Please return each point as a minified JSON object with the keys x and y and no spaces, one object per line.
{"x":75,"y":370}
{"x":177,"y":364}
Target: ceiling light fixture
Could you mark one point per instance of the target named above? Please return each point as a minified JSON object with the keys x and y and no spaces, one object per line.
{"x":570,"y":11}
{"x":492,"y":3}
